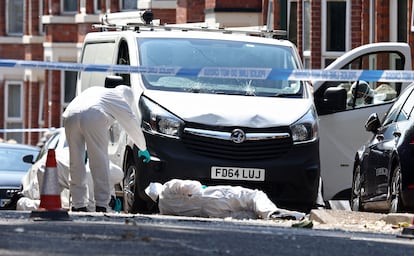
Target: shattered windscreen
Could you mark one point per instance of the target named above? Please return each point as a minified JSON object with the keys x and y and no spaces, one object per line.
{"x":202,"y":53}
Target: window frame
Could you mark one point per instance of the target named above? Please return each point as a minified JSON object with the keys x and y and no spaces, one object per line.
{"x":62,"y":7}
{"x":8,"y":32}
{"x":121,"y":4}
{"x":335,"y":54}
{"x":9,"y":121}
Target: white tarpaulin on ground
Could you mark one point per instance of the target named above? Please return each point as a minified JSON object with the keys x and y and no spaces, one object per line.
{"x":191,"y":198}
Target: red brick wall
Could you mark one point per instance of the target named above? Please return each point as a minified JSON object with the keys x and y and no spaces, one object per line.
{"x":165,"y":15}
{"x":2,"y":19}
{"x":316,"y":36}
{"x":11,"y":51}
{"x":31,"y":112}
{"x":410,"y":36}
{"x":382,"y":18}
{"x":299,"y":27}
{"x":356,"y":23}
{"x":190,"y":11}
{"x":235,"y":4}
{"x":365,"y":6}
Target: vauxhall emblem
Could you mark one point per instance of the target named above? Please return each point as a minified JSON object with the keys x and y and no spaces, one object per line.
{"x":238,"y":136}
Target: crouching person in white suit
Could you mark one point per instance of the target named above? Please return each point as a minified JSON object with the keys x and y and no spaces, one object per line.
{"x":191,"y":198}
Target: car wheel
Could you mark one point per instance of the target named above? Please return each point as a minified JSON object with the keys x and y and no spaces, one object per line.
{"x":396,"y":204}
{"x":356,"y":190}
{"x":134,"y":201}
{"x":129,"y":189}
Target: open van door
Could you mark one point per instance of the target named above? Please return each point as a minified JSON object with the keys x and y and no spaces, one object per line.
{"x":343,"y":107}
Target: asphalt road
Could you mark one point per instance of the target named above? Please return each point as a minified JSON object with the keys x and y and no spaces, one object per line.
{"x":122,"y":234}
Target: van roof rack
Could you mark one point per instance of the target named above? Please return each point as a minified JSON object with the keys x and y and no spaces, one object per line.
{"x":138,"y":20}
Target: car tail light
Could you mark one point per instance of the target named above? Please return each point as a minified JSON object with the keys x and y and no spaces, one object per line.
{"x":410,"y":186}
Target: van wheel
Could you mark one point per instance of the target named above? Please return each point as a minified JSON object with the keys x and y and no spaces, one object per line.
{"x":129,"y":189}
{"x":395,"y":201}
{"x":356,"y":190}
{"x":134,"y":201}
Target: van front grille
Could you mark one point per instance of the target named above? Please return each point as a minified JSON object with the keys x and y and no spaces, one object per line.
{"x":248,"y":150}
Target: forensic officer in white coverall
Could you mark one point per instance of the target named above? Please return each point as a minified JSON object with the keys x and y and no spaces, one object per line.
{"x":191,"y":198}
{"x":87,"y":120}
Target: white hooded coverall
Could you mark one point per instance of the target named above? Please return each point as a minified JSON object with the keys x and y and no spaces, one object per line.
{"x":190,"y":198}
{"x":87,"y":120}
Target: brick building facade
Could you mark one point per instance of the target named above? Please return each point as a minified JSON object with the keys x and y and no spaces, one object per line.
{"x":53,"y":30}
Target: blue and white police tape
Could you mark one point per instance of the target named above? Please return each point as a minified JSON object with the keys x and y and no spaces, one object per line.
{"x":224,"y":72}
{"x":27,"y":130}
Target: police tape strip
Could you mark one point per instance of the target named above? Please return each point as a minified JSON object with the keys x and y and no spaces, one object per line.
{"x":27,"y":130}
{"x":224,"y":72}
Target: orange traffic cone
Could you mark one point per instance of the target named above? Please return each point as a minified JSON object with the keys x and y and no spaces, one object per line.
{"x":50,"y":205}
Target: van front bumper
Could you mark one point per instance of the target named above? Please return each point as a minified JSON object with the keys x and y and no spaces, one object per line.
{"x":291,"y":179}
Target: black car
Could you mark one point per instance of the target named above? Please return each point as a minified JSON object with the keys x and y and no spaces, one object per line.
{"x":383,"y":177}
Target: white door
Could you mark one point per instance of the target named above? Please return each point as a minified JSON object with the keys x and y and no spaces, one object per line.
{"x":342,"y":130}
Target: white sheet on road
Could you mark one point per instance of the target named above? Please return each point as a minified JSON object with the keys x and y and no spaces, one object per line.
{"x":191,"y":198}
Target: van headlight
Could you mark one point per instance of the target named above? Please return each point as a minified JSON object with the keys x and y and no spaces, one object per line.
{"x":305,"y":129}
{"x":157,"y":120}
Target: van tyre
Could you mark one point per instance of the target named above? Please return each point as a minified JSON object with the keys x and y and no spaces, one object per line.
{"x":129,"y":189}
{"x":135,"y":199}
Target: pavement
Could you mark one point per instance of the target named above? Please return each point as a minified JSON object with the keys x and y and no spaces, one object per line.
{"x":401,"y":224}
{"x":340,"y":212}
{"x":351,"y":217}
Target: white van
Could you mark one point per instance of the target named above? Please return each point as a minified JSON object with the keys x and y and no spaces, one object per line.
{"x":262,"y":134}
{"x":255,"y":133}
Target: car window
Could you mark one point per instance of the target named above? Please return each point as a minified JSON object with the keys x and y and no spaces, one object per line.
{"x":361,"y":93}
{"x":51,"y":143}
{"x":201,"y":53}
{"x":12,"y":159}
{"x":393,"y":112}
{"x":407,"y":108}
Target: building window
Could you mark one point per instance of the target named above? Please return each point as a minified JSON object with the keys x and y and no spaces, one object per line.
{"x":292,"y":21}
{"x":14,"y":14}
{"x":69,"y":6}
{"x":14,"y":109}
{"x":69,"y":87}
{"x":402,"y":21}
{"x":335,"y":26}
{"x":97,"y":6}
{"x":129,"y":4}
{"x":335,"y":29}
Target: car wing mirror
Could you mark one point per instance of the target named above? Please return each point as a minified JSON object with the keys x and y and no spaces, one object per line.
{"x":373,"y":123}
{"x":113,"y":81}
{"x":334,"y":99}
{"x":28,"y":159}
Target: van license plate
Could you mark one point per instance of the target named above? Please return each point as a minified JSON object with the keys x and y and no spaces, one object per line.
{"x":237,"y":173}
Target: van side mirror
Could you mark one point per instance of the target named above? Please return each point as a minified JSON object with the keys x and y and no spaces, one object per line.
{"x":373,"y":123}
{"x":113,"y":81}
{"x":334,"y":99}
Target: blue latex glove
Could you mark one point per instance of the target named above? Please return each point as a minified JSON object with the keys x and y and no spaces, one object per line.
{"x":145,"y":154}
